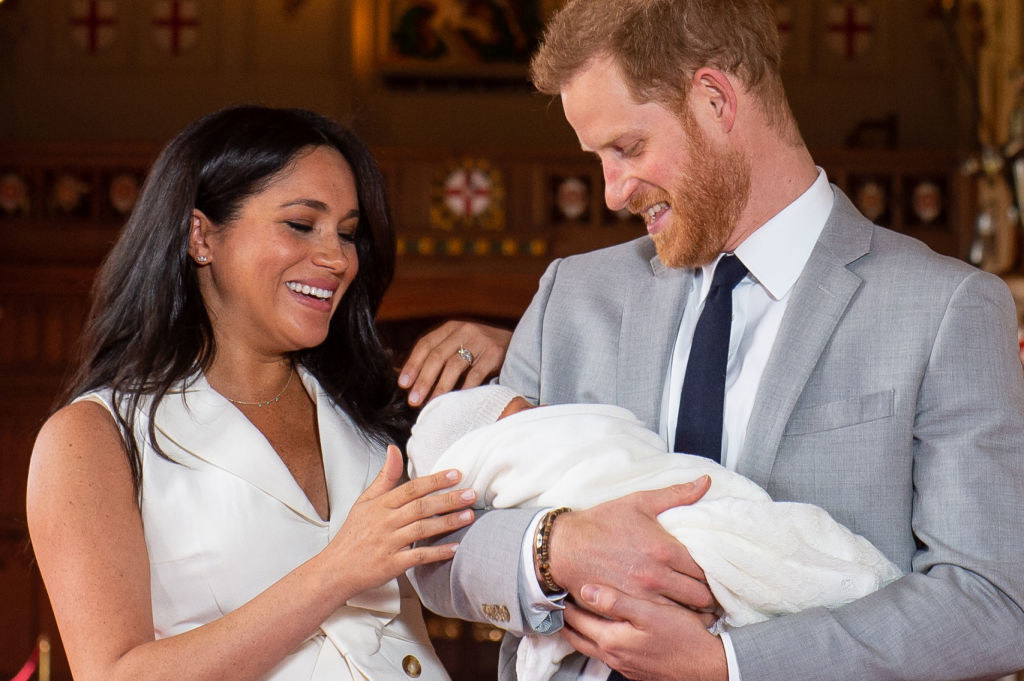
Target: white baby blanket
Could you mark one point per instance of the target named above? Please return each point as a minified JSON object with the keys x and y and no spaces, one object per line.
{"x":761,"y":558}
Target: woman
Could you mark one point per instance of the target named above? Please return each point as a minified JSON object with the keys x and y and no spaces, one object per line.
{"x":198,"y":510}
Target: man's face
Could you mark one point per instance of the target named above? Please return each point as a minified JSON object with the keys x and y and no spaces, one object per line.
{"x":659,"y":164}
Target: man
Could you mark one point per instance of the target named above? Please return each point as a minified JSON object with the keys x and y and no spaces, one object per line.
{"x":865,"y":374}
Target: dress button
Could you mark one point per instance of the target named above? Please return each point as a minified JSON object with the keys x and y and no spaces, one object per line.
{"x":411,"y":666}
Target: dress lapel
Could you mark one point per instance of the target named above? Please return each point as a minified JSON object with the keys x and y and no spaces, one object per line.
{"x":199,"y":422}
{"x":652,"y":308}
{"x":351,"y":460}
{"x":819,"y":300}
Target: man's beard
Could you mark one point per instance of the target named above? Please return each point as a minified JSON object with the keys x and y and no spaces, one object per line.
{"x":706,"y":202}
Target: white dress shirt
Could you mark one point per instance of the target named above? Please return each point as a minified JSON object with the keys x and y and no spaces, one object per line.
{"x":775,"y":255}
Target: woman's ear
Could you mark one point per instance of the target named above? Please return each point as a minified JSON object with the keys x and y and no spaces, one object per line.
{"x":198,"y":230}
{"x":716,"y":97}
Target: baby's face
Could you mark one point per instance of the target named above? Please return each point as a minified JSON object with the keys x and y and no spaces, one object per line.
{"x":515,"y":405}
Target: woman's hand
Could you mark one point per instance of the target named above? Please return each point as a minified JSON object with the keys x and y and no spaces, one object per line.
{"x":435,"y":365}
{"x":374,"y":544}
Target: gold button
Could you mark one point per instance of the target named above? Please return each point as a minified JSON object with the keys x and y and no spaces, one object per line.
{"x":412,"y":666}
{"x":498,"y":613}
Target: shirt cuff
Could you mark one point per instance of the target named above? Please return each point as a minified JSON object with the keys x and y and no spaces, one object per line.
{"x":730,"y":657}
{"x":543,"y":612}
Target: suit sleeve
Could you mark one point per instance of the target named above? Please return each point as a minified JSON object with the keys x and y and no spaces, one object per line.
{"x":522,"y":368}
{"x":958,"y":614}
{"x":481,"y":582}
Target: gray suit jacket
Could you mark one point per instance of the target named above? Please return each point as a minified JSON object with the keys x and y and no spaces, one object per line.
{"x":893,"y":398}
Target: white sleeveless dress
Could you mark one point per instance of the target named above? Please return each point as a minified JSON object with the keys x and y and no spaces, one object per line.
{"x":225,"y":519}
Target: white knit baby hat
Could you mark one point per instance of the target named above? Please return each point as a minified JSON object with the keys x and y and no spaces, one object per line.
{"x":450,"y":416}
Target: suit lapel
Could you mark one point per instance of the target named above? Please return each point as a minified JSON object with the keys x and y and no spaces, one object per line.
{"x":652,"y":308}
{"x":819,"y":300}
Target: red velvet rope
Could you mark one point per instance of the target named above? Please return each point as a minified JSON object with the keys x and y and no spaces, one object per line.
{"x":29,"y":668}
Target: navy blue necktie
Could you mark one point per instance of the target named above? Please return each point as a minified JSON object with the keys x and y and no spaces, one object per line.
{"x":699,"y":426}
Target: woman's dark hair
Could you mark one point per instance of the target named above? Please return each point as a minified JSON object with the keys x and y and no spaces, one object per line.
{"x":148,"y":328}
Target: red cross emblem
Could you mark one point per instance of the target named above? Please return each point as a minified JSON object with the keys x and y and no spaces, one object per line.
{"x":92,"y":23}
{"x":850,"y":28}
{"x":467,"y":192}
{"x":176,"y":24}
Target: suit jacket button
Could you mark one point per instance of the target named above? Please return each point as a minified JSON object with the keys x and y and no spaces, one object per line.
{"x":412,"y":666}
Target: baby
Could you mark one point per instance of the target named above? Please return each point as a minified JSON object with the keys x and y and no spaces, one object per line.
{"x":761,"y":558}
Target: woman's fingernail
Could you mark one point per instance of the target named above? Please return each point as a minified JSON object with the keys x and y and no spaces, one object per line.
{"x":466,"y":516}
{"x":452,"y":474}
{"x":403,"y":380}
{"x":414,"y":397}
{"x":589,"y":593}
{"x":453,"y":548}
{"x":468,"y":495}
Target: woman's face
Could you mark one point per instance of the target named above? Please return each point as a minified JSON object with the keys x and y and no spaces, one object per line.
{"x":275,"y":274}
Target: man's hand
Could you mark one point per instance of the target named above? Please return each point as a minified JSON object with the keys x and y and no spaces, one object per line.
{"x":620,"y":542}
{"x":435,"y":366}
{"x":644,"y":640}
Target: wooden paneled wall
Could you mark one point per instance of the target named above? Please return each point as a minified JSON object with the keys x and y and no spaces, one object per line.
{"x":55,"y":232}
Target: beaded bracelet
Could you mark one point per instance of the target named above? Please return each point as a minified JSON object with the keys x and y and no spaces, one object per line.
{"x":541,"y":547}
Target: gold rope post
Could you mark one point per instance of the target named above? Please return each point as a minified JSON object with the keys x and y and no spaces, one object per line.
{"x":44,"y":658}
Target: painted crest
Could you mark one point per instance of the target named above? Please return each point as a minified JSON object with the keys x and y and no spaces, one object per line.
{"x":871,"y":199}
{"x":93,"y":24}
{"x":68,"y":193}
{"x":176,"y":24}
{"x":13,"y":194}
{"x":124,"y":190}
{"x":472,"y":194}
{"x":850,"y":28}
{"x":927,"y":201}
{"x":572,"y":198}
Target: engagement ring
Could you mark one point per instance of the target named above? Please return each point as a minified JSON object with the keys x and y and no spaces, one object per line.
{"x":466,"y":355}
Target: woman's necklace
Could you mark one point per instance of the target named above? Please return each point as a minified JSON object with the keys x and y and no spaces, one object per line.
{"x":272,"y":400}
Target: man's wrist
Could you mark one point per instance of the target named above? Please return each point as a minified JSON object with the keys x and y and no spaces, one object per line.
{"x":542,"y":551}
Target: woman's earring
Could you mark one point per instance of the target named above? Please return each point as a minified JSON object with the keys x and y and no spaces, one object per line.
{"x":202,"y":259}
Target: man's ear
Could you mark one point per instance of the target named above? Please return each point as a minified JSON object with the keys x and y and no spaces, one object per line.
{"x":199,"y":228}
{"x":715,"y":97}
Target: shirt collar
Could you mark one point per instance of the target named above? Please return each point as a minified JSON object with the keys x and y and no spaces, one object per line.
{"x":776,"y":252}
